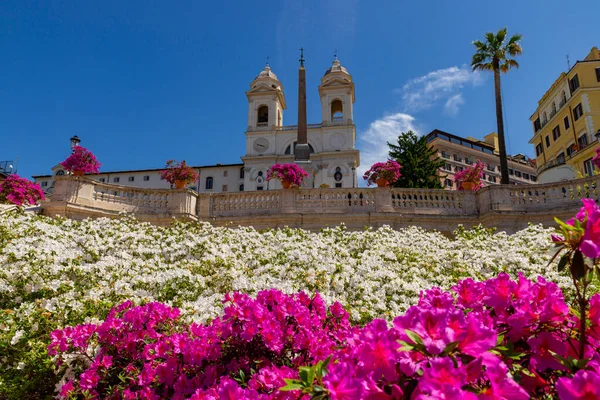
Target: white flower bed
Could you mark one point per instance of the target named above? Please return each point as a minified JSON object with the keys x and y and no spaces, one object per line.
{"x":68,"y":267}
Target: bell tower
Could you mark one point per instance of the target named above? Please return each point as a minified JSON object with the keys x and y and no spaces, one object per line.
{"x":337,"y":95}
{"x":266,"y":101}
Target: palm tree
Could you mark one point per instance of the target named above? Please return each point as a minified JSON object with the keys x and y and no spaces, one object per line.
{"x":493,"y":55}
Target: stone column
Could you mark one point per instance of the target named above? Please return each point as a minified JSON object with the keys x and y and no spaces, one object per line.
{"x":302,"y":151}
{"x":287,"y":201}
{"x":182,"y":202}
{"x":204,"y":206}
{"x":383,"y":200}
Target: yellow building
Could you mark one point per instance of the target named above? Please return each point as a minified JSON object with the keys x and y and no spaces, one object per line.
{"x":566,"y":122}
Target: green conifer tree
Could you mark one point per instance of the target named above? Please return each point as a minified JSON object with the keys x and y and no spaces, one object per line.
{"x":420,"y":163}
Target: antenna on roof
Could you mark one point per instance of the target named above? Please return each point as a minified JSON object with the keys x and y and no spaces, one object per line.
{"x":335,"y":54}
{"x":568,"y":63}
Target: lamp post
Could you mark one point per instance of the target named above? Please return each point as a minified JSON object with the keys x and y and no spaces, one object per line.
{"x":353,"y":176}
{"x":74,"y":142}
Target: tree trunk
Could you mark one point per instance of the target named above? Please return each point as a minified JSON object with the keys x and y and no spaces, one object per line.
{"x":500,"y":121}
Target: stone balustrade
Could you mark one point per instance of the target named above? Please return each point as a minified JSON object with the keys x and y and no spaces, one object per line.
{"x":507,"y":207}
{"x":79,"y":197}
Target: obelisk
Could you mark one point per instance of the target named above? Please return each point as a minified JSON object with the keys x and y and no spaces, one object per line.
{"x":302,"y":151}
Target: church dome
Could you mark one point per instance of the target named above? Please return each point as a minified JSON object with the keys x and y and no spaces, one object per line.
{"x":266,"y":73}
{"x":336,"y":67}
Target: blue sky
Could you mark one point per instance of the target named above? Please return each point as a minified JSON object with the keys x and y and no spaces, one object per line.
{"x":144,"y":81}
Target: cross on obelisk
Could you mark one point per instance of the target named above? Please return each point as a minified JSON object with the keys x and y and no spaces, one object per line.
{"x":302,"y":151}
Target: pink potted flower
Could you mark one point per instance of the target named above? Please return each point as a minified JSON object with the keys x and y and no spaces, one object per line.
{"x":81,"y":161}
{"x":20,"y":191}
{"x":383,"y":173}
{"x":179,"y":174}
{"x":471,"y":177}
{"x":290,"y":175}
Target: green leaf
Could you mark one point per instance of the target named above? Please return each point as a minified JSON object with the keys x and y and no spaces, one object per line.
{"x":291,"y":384}
{"x":563,"y":261}
{"x":414,"y":337}
{"x":450,"y":347}
{"x":578,"y":265}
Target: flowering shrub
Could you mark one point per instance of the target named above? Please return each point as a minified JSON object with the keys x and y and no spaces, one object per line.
{"x":58,"y":272}
{"x":471,"y":174}
{"x":178,"y":171}
{"x":81,"y":161}
{"x":389,"y":171}
{"x":20,"y":191}
{"x":291,"y":173}
{"x":596,"y":158}
{"x":499,"y":339}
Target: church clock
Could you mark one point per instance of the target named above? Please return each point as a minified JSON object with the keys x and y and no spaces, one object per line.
{"x":261,"y":145}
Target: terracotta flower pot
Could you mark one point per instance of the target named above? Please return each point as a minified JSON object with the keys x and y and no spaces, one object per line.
{"x":468,"y":185}
{"x":180,"y":184}
{"x":286,"y":184}
{"x":382,"y":182}
{"x":77,"y":173}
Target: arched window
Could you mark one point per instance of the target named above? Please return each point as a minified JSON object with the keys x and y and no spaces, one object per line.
{"x":288,"y":150}
{"x":337,"y":111}
{"x":263,"y":116}
{"x":60,"y":173}
{"x":242,"y":172}
{"x":209,"y":183}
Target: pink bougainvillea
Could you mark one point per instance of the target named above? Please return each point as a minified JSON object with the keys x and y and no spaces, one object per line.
{"x":388,"y":171}
{"x":291,"y":173}
{"x":179,"y":171}
{"x":20,"y":191}
{"x":81,"y":161}
{"x":471,"y":174}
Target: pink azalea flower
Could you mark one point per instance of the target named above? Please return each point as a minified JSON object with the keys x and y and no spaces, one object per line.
{"x":341,"y":385}
{"x":585,"y":385}
{"x":541,"y":347}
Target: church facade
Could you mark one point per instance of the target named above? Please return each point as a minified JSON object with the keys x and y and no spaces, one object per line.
{"x":333,"y":158}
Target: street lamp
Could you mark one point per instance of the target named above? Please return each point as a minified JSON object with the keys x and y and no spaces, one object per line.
{"x":74,"y":142}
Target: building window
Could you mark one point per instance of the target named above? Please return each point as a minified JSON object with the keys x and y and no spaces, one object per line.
{"x":570,"y":150}
{"x":511,"y":171}
{"x":60,"y":173}
{"x":209,"y":183}
{"x":263,"y":116}
{"x":556,"y":132}
{"x":547,"y":141}
{"x":493,"y":178}
{"x":242,"y":187}
{"x":146,"y":177}
{"x":259,"y":188}
{"x":102,"y":179}
{"x":561,"y":158}
{"x":242,"y":173}
{"x":467,"y":161}
{"x":457,"y":158}
{"x":574,"y":83}
{"x":444,"y":154}
{"x":533,"y":178}
{"x":449,"y":183}
{"x":582,"y":141}
{"x":588,"y":167}
{"x":44,"y":184}
{"x":567,"y":124}
{"x":598,"y":74}
{"x":116,"y":179}
{"x":448,"y":167}
{"x":525,"y":175}
{"x":577,"y":112}
{"x":225,"y":173}
{"x":518,"y":174}
{"x":337,"y":111}
{"x":338,"y":184}
{"x":131,"y":178}
{"x":539,"y":149}
{"x":458,"y":169}
{"x":537,"y":125}
{"x":224,"y":188}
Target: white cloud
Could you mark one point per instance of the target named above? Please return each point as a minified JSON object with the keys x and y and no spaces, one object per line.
{"x":452,"y":104}
{"x":373,"y":142}
{"x":437,"y":86}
